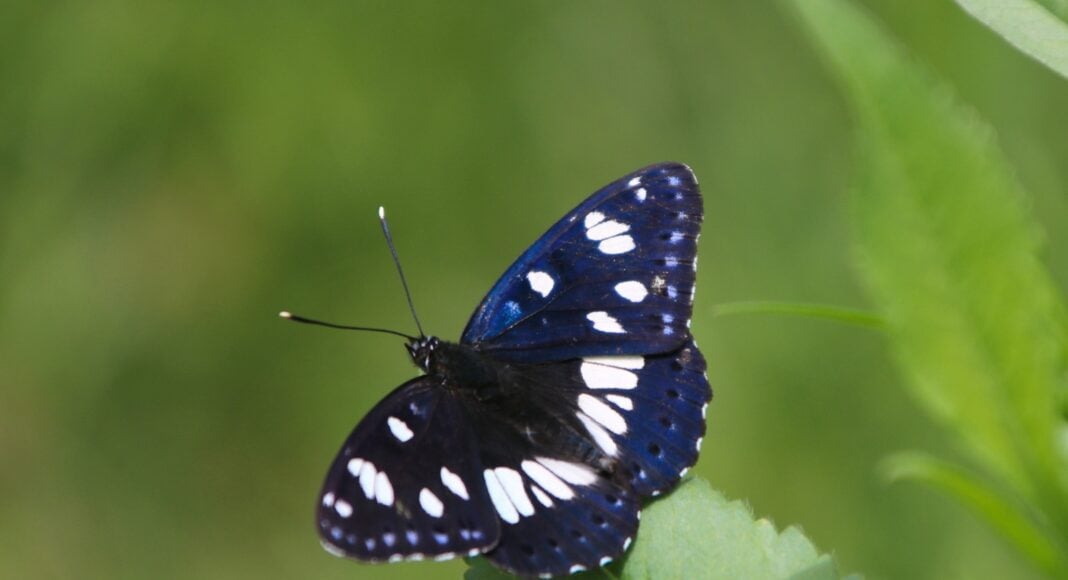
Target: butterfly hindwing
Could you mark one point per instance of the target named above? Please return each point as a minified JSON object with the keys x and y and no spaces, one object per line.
{"x":614,"y":276}
{"x":573,"y":446}
{"x":407,"y":484}
{"x":649,"y":410}
{"x":558,"y":514}
{"x":592,"y":528}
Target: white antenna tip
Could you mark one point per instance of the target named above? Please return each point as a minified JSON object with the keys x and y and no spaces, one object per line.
{"x":381,"y":213}
{"x":285,"y":314}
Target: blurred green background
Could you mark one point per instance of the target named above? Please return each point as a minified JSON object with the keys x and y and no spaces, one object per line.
{"x":173,"y":174}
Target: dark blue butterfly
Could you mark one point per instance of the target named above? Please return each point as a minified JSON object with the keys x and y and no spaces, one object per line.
{"x":575,"y":392}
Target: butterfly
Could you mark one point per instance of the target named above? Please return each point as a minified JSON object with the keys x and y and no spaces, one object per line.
{"x":575,"y":391}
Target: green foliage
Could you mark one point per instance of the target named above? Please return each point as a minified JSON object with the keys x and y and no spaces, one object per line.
{"x":696,"y":532}
{"x":949,"y":254}
{"x":1027,"y":25}
{"x":978,"y":494}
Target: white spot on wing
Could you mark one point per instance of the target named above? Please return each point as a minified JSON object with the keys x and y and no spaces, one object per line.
{"x":504,"y":508}
{"x":635,"y":182}
{"x":328,"y":499}
{"x":632,"y":290}
{"x":383,"y":489}
{"x":605,"y":230}
{"x":616,"y":245}
{"x":602,"y":413}
{"x":344,"y":508}
{"x":399,"y":429}
{"x":640,"y":193}
{"x":602,"y":376}
{"x":573,"y":473}
{"x":576,"y":569}
{"x":541,"y":282}
{"x":544,"y":499}
{"x":600,"y":436}
{"x":621,"y":401}
{"x":545,"y":478}
{"x":430,"y":503}
{"x":454,"y":483}
{"x":367,"y":479}
{"x":355,"y":464}
{"x":512,"y":483}
{"x":593,"y":218}
{"x":605,"y":323}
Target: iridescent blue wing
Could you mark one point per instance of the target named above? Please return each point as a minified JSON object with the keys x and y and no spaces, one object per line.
{"x":407,"y":484}
{"x":613,"y":277}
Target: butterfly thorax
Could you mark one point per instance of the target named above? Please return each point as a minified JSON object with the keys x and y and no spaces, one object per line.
{"x":457,"y":366}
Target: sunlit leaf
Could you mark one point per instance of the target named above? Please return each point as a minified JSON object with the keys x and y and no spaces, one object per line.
{"x":1028,"y":26}
{"x":696,"y":533}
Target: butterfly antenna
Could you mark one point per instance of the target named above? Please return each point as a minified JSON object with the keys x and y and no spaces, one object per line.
{"x":290,"y":316}
{"x":400,"y":271}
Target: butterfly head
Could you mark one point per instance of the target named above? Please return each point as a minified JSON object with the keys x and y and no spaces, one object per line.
{"x":421,"y":350}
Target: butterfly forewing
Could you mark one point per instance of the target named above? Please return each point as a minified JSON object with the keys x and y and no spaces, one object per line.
{"x":407,"y":484}
{"x":614,"y":276}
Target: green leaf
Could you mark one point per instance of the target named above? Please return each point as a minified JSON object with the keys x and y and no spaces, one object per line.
{"x":981,"y":497}
{"x":950,"y":257}
{"x":948,"y":250}
{"x":694,"y":532}
{"x":821,"y":311}
{"x":1028,"y":26}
